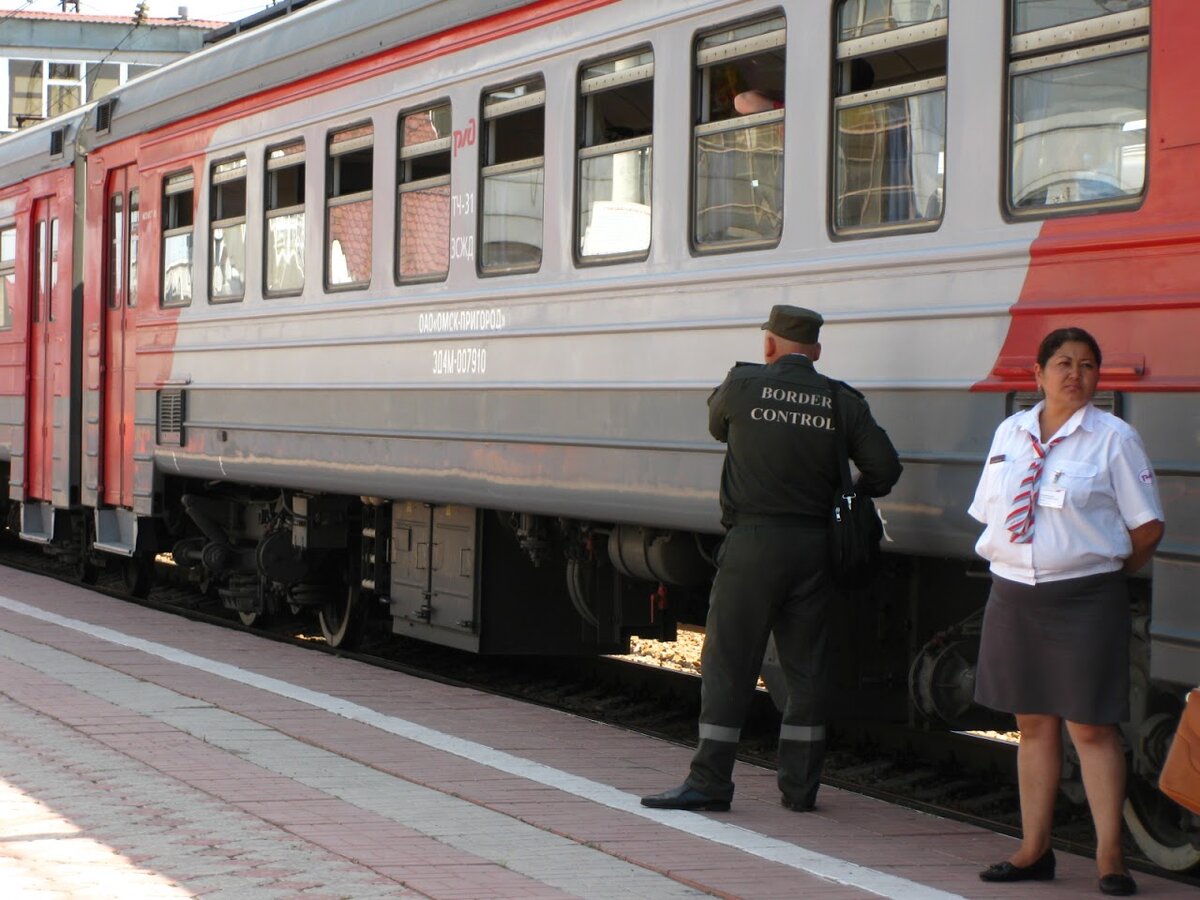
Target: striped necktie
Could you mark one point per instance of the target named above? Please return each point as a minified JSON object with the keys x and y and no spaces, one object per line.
{"x":1020,"y":521}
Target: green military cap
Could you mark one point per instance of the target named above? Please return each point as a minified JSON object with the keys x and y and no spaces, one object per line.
{"x":794,"y":323}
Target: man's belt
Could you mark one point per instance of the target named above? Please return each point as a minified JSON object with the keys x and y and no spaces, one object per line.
{"x":801,"y":521}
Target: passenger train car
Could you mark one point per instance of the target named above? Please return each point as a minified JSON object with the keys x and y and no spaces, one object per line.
{"x":407,"y":312}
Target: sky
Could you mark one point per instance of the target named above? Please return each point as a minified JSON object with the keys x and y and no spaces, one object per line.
{"x":219,"y":10}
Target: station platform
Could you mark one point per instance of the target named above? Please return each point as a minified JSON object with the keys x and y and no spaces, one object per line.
{"x":143,"y":755}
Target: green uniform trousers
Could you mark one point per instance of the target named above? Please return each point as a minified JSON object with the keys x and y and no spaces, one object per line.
{"x":770,"y":578}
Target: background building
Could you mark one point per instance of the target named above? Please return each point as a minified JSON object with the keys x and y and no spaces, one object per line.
{"x":51,"y":62}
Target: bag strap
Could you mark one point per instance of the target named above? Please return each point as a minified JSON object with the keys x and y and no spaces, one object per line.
{"x":841,"y":438}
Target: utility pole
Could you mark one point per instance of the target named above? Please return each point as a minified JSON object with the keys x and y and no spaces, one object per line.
{"x":62,"y":4}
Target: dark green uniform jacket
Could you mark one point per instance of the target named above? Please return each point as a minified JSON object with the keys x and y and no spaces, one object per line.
{"x":782,"y":460}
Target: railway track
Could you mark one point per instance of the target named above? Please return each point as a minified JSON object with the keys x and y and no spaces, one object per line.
{"x":953,"y":775}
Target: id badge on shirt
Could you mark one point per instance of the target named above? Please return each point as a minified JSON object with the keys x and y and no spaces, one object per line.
{"x":1053,"y":497}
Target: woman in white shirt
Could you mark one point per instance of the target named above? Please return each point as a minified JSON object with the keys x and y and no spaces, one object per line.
{"x":1071,"y":505}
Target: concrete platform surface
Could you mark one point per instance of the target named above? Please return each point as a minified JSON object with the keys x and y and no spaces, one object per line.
{"x":146,"y":756}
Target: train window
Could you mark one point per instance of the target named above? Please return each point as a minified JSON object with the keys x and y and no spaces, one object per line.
{"x":616,"y":118}
{"x":116,"y":247}
{"x":283,"y":264}
{"x":8,"y":274}
{"x":738,"y":137}
{"x":889,"y":112}
{"x":53,"y":269}
{"x":1034,"y":15}
{"x":227,"y":231}
{"x":177,"y":225}
{"x":1077,"y":107}
{"x":349,"y":207}
{"x":514,"y":139}
{"x":423,"y":205}
{"x":132,"y":256}
{"x":39,"y":267}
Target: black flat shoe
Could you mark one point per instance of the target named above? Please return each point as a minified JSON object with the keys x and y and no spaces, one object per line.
{"x":1118,"y":885}
{"x":1042,"y":870}
{"x":685,"y":797}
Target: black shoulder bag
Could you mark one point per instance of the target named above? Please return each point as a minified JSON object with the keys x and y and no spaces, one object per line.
{"x":855,"y":529}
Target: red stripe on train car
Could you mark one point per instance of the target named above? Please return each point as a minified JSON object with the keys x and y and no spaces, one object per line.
{"x":1130,"y":278}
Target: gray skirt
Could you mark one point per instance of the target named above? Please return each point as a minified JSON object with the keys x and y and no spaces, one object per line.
{"x":1059,"y":648}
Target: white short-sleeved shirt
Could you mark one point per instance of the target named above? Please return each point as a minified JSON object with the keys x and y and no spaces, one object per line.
{"x":1108,"y":489}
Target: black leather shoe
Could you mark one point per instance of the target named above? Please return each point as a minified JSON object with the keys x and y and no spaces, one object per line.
{"x":797,"y":806}
{"x":1042,"y":870}
{"x":685,"y":797}
{"x":1118,"y":885}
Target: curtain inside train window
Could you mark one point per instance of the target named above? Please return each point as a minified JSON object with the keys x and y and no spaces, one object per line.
{"x":349,"y":207}
{"x":227,"y":230}
{"x":423,"y":202}
{"x":616,"y":118}
{"x":283,"y":247}
{"x":889,"y":112}
{"x":738,"y":136}
{"x":177,"y":225}
{"x":1078,"y":103}
{"x":511,"y":211}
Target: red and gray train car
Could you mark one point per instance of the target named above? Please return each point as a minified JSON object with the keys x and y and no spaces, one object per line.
{"x":408,"y":311}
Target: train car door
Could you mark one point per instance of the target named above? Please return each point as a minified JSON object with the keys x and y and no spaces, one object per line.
{"x":120,"y":359}
{"x":39,"y":449}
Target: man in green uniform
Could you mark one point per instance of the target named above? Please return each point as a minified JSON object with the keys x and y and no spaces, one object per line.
{"x":777,"y":493}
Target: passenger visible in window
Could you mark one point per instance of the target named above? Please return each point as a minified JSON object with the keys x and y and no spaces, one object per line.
{"x":756,"y":101}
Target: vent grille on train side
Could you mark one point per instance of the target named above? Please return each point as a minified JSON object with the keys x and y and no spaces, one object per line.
{"x":104,"y":114}
{"x":170,"y":416}
{"x":58,"y":139}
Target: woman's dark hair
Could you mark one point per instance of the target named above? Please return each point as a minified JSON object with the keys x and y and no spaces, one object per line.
{"x":1060,"y":336}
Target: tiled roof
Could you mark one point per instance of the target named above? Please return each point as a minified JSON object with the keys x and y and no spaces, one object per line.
{"x":85,"y":19}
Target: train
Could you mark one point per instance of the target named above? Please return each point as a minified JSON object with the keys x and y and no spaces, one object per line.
{"x":406,"y":312}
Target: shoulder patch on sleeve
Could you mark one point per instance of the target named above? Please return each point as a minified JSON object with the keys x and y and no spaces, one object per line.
{"x":1146,"y":476}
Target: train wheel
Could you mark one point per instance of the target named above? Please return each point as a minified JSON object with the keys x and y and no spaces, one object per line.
{"x":342,"y":618}
{"x":138,"y":575}
{"x":1167,"y":833}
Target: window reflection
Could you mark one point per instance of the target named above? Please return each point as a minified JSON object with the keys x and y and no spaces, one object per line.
{"x":738,"y":137}
{"x":512,"y":203}
{"x":284,"y":248}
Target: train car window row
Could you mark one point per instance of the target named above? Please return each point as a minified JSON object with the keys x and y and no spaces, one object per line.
{"x":8,"y":274}
{"x":1077,"y":106}
{"x":1077,"y":89}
